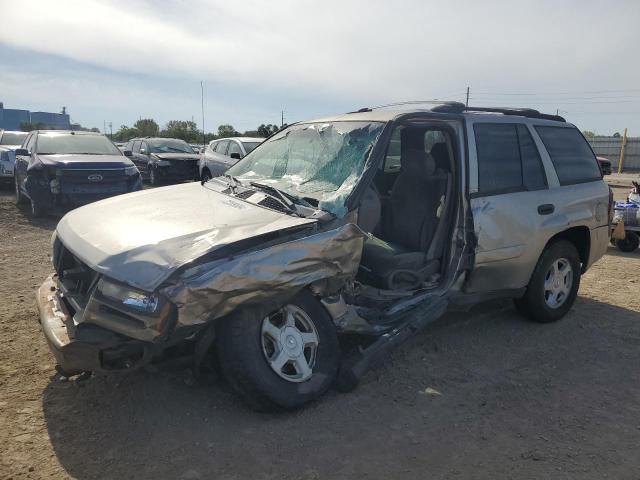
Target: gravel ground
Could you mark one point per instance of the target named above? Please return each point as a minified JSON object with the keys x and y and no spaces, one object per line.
{"x":512,"y":399}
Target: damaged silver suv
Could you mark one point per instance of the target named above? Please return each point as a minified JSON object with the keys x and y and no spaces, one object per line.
{"x":370,"y":223}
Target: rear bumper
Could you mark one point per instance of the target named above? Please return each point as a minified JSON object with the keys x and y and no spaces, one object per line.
{"x":84,"y":347}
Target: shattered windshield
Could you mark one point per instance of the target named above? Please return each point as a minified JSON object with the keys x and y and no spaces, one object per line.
{"x":323,"y":161}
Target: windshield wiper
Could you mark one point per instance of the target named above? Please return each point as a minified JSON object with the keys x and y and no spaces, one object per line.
{"x":233,"y":183}
{"x":285,"y":198}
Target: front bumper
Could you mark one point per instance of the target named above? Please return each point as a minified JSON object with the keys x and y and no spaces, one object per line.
{"x":84,"y":347}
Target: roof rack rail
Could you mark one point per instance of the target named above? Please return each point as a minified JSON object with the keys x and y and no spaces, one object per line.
{"x":457,"y":107}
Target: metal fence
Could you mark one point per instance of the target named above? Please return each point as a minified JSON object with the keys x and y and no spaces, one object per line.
{"x":610,"y":147}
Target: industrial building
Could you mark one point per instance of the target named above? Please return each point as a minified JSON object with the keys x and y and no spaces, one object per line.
{"x":11,"y":119}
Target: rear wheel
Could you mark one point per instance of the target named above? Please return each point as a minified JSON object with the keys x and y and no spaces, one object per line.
{"x":629,"y":243}
{"x":554,"y":284}
{"x":282,"y":360}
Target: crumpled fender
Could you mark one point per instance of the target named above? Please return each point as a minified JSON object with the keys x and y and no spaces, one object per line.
{"x":214,"y":289}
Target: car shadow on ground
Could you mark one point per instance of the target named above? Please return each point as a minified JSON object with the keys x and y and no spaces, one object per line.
{"x":495,"y":374}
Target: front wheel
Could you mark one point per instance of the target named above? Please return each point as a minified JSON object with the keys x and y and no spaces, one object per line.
{"x":629,"y":243}
{"x":206,"y":175}
{"x":153,"y":176}
{"x":36,"y":209}
{"x":282,"y":360}
{"x":20,"y":198}
{"x":554,"y":284}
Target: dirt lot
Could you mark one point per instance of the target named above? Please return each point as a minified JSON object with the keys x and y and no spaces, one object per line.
{"x":518,"y":400}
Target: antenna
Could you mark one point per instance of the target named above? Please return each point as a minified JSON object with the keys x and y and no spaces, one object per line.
{"x":202,"y":104}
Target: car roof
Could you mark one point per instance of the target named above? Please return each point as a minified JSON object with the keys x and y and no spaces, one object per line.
{"x":156,"y":138}
{"x":241,"y":139}
{"x":387,"y":113}
{"x":73,"y":132}
{"x":13,"y":131}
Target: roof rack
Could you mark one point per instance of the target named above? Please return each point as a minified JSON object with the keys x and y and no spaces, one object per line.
{"x":457,"y":107}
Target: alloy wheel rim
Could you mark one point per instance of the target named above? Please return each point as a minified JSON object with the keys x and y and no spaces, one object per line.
{"x":290,"y":343}
{"x":557,"y":283}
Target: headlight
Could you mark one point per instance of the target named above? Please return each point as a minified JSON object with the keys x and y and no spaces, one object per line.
{"x":163,"y":163}
{"x":134,"y":299}
{"x":132,"y":170}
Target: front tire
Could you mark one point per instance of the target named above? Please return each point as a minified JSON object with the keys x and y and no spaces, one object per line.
{"x":206,"y":175}
{"x":153,"y":176}
{"x":283,"y":360}
{"x":36,"y":209}
{"x":554,"y":284}
{"x":629,"y":243}
{"x":20,"y":198}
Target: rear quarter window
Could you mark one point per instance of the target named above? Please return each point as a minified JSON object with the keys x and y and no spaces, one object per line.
{"x":570,"y":154}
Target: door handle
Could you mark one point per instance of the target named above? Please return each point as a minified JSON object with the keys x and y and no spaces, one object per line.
{"x":546,"y":209}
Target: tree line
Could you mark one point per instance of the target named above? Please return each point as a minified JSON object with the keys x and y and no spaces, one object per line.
{"x":186,"y":130}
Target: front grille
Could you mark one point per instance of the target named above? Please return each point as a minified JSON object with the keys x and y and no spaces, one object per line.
{"x":186,"y":167}
{"x":92,"y":182}
{"x":77,"y":277}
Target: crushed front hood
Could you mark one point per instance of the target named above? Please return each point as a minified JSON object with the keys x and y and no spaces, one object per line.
{"x":141,"y":238}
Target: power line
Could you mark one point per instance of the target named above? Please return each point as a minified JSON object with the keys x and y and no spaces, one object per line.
{"x":562,"y":93}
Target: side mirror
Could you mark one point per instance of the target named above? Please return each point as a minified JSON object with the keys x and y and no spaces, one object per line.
{"x":22,"y":152}
{"x":235,"y":155}
{"x":128,"y":153}
{"x":143,"y":151}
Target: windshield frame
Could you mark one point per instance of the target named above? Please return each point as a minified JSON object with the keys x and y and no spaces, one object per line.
{"x":345,"y":153}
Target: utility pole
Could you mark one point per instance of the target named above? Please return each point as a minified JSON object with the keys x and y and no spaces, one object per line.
{"x":624,"y":143}
{"x":281,"y":118}
{"x":104,"y":127}
{"x":466,"y":105}
{"x":202,"y":104}
{"x":111,"y":129}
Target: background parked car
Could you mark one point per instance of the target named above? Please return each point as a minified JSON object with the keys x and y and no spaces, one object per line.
{"x":164,"y":159}
{"x":605,"y":165}
{"x":57,"y":170}
{"x":9,"y":142}
{"x":224,"y":153}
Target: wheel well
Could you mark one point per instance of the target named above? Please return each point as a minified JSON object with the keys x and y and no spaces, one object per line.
{"x":580,"y":237}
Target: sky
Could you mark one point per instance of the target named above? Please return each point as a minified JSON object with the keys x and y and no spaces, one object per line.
{"x":118,"y":61}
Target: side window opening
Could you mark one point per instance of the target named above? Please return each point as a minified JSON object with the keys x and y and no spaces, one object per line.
{"x":570,"y":154}
{"x":508,"y":160}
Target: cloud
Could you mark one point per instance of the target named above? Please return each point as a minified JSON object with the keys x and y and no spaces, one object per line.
{"x":353,"y":52}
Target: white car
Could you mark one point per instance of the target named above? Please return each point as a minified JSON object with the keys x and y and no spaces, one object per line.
{"x":223,"y":153}
{"x":9,"y":142}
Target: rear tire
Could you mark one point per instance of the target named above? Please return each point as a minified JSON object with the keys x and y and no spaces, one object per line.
{"x":249,"y":354}
{"x":630,"y":242}
{"x":553,"y":287}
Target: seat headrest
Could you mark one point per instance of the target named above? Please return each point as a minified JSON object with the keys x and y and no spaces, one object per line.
{"x":417,"y":162}
{"x":440,"y":154}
